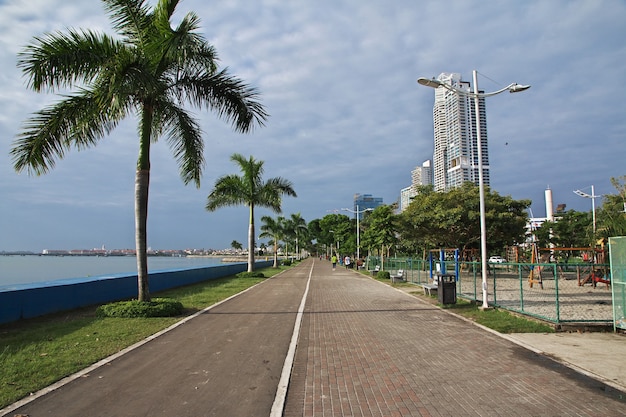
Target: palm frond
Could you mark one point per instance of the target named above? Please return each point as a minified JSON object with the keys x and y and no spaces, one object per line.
{"x":228,"y":191}
{"x":129,"y":18}
{"x":61,"y":59}
{"x":229,"y":97}
{"x":184,"y":137}
{"x":77,"y":122}
{"x":164,"y":9}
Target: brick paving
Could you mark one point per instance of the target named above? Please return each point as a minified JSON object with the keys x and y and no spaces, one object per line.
{"x":367,"y":349}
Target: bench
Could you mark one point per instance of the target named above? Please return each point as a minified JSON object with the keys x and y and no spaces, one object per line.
{"x":428,"y":288}
{"x":399,"y":276}
{"x":375,"y":270}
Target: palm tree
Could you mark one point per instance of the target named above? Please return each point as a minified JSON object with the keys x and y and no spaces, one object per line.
{"x":298,"y":229}
{"x":249,"y":190}
{"x":151,"y":69}
{"x":275,"y":230}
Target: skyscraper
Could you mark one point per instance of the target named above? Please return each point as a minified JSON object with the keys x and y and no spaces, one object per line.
{"x":365,"y":201}
{"x":455,"y":158}
{"x":421,"y":175}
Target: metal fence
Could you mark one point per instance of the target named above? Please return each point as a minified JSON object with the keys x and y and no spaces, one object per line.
{"x":558,"y":293}
{"x":618,"y":272}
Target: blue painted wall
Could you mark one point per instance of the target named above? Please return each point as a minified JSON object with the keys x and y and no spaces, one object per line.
{"x":31,"y":300}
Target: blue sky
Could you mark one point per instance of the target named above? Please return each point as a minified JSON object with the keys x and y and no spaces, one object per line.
{"x":347,"y":116}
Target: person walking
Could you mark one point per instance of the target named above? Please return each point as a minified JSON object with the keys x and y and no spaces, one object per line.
{"x":333,"y":260}
{"x":346,"y":262}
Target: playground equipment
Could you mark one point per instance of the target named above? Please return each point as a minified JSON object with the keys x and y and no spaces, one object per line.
{"x":437,"y":259}
{"x":593,"y":269}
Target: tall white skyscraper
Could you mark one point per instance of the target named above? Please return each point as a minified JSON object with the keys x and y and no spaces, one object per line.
{"x":455,"y":158}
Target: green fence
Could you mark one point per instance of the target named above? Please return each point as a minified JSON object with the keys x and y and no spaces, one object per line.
{"x":559,"y":293}
{"x":617,"y":253}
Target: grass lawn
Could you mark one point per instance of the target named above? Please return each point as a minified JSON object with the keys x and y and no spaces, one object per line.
{"x":500,"y":320}
{"x":37,"y":352}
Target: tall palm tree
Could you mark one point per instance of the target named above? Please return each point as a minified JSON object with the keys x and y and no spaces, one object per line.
{"x":275,"y":230}
{"x":299,"y":230}
{"x":150,"y":70}
{"x":249,"y":190}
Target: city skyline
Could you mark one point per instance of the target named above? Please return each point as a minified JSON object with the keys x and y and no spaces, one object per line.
{"x":338,"y":79}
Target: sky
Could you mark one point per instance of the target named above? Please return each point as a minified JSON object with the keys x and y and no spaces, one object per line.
{"x":338,"y":78}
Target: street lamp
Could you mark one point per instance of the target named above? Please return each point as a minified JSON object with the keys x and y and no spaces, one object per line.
{"x":358,"y":239}
{"x":592,"y":196}
{"x":511,"y":88}
{"x":336,"y":244}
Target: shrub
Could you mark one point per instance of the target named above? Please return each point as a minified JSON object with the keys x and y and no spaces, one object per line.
{"x":158,"y":307}
{"x":286,"y":262}
{"x":383,"y":275}
{"x":252,"y":274}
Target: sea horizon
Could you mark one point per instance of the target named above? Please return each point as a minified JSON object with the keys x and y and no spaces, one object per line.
{"x":38,"y":268}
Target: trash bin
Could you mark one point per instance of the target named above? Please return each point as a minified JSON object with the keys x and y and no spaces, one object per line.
{"x":446,"y":288}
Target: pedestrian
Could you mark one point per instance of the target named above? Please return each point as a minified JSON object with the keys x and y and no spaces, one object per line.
{"x":346,"y":262}
{"x":333,"y":259}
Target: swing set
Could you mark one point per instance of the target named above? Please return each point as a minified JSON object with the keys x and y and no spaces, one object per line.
{"x":593,"y":270}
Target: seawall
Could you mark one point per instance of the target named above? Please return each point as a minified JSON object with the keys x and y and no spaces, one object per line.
{"x":25,"y":301}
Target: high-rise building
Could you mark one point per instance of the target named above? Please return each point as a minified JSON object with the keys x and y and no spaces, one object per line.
{"x":421,"y":175}
{"x":455,"y":158}
{"x":365,"y":201}
{"x":406,"y":195}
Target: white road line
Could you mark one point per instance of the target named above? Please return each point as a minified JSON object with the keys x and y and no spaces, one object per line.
{"x":283,"y":384}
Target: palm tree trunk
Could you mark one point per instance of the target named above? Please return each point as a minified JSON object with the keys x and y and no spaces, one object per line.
{"x":251,"y":241}
{"x":142,"y":180}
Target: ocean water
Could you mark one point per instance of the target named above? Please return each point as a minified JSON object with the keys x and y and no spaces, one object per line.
{"x":16,"y":269}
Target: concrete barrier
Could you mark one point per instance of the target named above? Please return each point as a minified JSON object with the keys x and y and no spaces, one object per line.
{"x":25,"y":301}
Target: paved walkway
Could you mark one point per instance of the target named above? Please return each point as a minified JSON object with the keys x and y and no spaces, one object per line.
{"x":364,"y":349}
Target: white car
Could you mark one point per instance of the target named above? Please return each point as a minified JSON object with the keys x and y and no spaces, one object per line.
{"x":496,"y":260}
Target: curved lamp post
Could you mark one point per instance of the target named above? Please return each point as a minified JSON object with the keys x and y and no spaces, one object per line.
{"x":593,"y":197}
{"x":511,"y":88}
{"x":358,"y":239}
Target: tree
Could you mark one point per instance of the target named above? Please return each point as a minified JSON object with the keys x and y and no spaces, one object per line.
{"x":151,"y":69}
{"x":249,"y":190}
{"x":612,"y":215}
{"x":236,"y":245}
{"x":571,"y":229}
{"x":336,"y":229}
{"x":452,"y":219}
{"x":298,"y":229}
{"x":275,"y":230}
{"x":314,"y":234}
{"x":380,"y":230}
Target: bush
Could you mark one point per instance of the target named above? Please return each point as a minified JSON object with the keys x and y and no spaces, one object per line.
{"x":286,"y":262}
{"x":383,"y":275}
{"x":252,"y":274}
{"x":158,"y":307}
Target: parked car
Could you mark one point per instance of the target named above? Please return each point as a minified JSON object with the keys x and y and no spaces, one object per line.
{"x":496,"y":260}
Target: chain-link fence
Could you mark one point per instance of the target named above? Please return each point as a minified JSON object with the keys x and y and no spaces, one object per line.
{"x":555,"y":292}
{"x":618,"y":272}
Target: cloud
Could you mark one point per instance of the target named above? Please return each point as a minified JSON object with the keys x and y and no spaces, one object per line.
{"x":338,"y":78}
